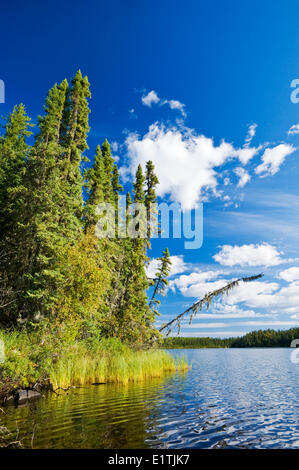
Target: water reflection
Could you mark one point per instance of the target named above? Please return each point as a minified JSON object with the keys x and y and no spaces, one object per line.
{"x":230,"y":398}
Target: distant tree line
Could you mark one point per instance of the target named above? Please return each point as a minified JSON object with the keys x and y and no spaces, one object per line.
{"x":255,"y":339}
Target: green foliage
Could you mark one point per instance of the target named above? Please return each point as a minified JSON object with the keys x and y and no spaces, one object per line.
{"x":255,"y":339}
{"x":178,"y":342}
{"x":161,"y":281}
{"x":151,"y":181}
{"x":68,"y":294}
{"x":94,"y":183}
{"x":38,"y":356}
{"x":108,"y":162}
{"x":266,"y":339}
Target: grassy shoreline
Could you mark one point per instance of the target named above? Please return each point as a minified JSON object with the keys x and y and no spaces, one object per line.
{"x":29,"y":362}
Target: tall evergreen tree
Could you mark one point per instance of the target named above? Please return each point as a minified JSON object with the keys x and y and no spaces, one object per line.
{"x":95,"y":177}
{"x":139,"y":196}
{"x":128,"y":210}
{"x":13,"y":156}
{"x":108,"y":167}
{"x":161,"y":281}
{"x":117,"y":188}
{"x":151,"y":181}
{"x":74,"y":141}
{"x":50,"y":214}
{"x":51,"y":123}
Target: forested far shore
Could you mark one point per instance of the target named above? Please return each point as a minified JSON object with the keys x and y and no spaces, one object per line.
{"x":255,"y":339}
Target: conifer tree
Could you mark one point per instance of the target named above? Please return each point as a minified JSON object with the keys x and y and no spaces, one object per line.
{"x":54,"y":266}
{"x":151,"y":181}
{"x":13,"y":155}
{"x":162,"y":274}
{"x":128,"y":210}
{"x":139,"y":196}
{"x":74,"y":141}
{"x":117,"y":188}
{"x":108,"y":168}
{"x":95,"y":186}
{"x":51,"y":123}
{"x":51,"y":210}
{"x":135,"y":316}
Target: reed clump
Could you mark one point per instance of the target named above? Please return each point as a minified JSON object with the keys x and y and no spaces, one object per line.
{"x":28,"y":361}
{"x":111,"y":362}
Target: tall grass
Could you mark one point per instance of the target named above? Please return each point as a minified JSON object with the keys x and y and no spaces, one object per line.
{"x":107,"y":365}
{"x":108,"y":361}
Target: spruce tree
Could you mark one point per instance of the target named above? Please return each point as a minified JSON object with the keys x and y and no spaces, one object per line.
{"x":108,"y":169}
{"x":74,"y":141}
{"x":151,"y":181}
{"x":13,"y":156}
{"x":139,"y":196}
{"x":94,"y":177}
{"x":51,"y":210}
{"x":161,"y":281}
{"x":128,"y":210}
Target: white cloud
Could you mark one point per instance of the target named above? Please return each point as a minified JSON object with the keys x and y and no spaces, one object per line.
{"x":264,"y":296}
{"x":178,"y":265}
{"x":294,"y":129}
{"x":197,"y":284}
{"x":250,"y":134}
{"x":150,"y":98}
{"x":175,"y":104}
{"x":114,"y":145}
{"x":267,"y":295}
{"x":243,"y":175}
{"x":173,"y":149}
{"x":257,"y":324}
{"x":290,"y":274}
{"x":245,"y":154}
{"x":248,"y":255}
{"x":273,"y":158}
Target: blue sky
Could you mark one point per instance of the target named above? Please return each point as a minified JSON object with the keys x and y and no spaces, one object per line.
{"x":203,"y":89}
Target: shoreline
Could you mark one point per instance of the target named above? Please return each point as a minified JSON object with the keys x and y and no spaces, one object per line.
{"x":39,"y":367}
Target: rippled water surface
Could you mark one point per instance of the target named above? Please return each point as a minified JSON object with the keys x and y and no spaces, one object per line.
{"x":244,"y":398}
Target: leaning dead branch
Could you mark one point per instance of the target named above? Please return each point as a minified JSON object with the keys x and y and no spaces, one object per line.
{"x":204,"y":302}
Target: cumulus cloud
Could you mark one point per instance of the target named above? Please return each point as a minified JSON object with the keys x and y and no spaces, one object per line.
{"x":178,"y":265}
{"x":268,"y":296}
{"x":248,"y":255}
{"x":243,"y":175}
{"x":294,"y":129}
{"x":150,"y":98}
{"x":256,"y":295}
{"x":197,"y":284}
{"x":273,"y":158}
{"x":186,"y":163}
{"x":290,"y":274}
{"x":257,"y":324}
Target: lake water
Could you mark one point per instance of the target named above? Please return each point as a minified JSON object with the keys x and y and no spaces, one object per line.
{"x":233,"y":398}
